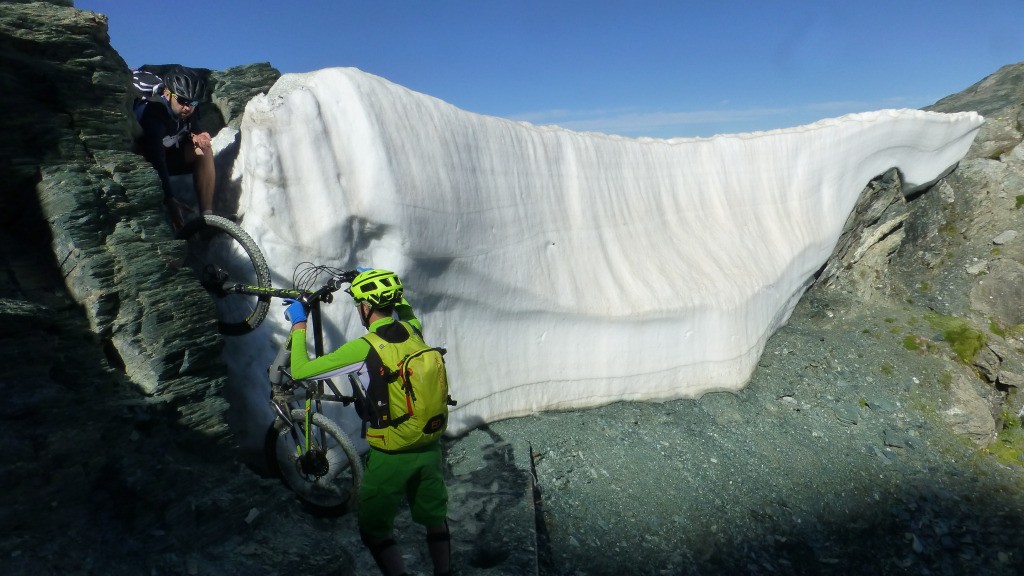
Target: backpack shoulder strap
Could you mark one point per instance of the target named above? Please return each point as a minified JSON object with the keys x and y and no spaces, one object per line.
{"x":372,"y":339}
{"x":377,"y":344}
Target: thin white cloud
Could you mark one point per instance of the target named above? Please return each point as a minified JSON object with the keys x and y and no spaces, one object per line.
{"x":630,"y":122}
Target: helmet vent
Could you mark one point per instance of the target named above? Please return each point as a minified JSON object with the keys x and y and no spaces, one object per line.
{"x":380,"y":288}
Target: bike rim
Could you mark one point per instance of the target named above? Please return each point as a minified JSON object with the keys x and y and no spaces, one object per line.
{"x":221,"y":251}
{"x":323,"y":480}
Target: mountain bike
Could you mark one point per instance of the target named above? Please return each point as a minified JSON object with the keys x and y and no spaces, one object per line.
{"x":303,"y":446}
{"x":312,"y":454}
{"x":223,"y":255}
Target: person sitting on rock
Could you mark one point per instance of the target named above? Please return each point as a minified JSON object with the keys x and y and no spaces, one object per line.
{"x":171,"y":143}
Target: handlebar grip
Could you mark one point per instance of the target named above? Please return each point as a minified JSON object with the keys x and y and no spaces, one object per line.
{"x":345,"y":277}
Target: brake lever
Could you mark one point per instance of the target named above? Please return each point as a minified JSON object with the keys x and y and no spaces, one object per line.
{"x":345,"y":277}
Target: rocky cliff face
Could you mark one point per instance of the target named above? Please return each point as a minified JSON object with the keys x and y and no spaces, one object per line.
{"x":68,"y":160}
{"x":952,"y":256}
{"x":106,"y":342}
{"x":116,"y":455}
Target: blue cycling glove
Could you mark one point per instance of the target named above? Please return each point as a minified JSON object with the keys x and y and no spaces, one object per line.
{"x":296,"y":311}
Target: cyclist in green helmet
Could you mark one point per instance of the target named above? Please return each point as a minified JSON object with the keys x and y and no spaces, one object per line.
{"x":391,"y":475}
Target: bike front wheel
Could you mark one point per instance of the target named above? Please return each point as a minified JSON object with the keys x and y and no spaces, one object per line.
{"x":321,"y":467}
{"x":221,"y":253}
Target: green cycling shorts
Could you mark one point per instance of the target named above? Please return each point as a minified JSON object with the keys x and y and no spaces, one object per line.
{"x":391,"y":476}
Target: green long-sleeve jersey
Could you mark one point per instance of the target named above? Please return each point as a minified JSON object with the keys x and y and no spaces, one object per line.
{"x":349,"y":357}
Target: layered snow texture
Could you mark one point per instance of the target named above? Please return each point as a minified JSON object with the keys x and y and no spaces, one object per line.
{"x":564,"y":270}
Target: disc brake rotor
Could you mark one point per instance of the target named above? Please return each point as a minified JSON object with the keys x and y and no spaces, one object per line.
{"x":314,"y":463}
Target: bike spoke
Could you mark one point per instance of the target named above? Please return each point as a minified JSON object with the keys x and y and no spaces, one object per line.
{"x":222,"y":254}
{"x":325,"y":475}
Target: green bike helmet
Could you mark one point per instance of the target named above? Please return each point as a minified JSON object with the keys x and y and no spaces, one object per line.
{"x":378,"y":288}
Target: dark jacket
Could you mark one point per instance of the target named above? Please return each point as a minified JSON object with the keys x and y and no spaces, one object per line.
{"x":162,"y":130}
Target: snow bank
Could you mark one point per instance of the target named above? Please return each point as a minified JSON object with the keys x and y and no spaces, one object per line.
{"x":560,"y":269}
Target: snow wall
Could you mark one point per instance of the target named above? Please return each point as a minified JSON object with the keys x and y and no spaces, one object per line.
{"x":561,"y":270}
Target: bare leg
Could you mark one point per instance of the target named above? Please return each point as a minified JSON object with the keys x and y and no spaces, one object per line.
{"x":204,"y":178}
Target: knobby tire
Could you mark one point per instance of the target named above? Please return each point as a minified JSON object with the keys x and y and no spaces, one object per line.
{"x":216,"y":243}
{"x":332,"y":494}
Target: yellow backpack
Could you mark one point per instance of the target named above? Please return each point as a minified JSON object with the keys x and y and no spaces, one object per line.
{"x":407,"y":404}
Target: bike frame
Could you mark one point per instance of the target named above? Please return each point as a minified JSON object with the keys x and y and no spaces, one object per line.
{"x":315,"y":395}
{"x":320,"y":466}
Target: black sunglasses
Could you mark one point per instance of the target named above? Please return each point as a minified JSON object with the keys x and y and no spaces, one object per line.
{"x":184,"y":102}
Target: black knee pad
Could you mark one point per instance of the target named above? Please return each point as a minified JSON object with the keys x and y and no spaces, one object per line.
{"x":440,"y":536}
{"x":439,"y":544}
{"x":378,"y":546}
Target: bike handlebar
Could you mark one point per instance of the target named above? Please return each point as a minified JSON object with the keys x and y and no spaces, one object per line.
{"x":345,"y":277}
{"x":326,"y":293}
{"x":323,"y":294}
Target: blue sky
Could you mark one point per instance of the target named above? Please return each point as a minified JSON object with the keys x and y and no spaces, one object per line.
{"x":636,"y":68}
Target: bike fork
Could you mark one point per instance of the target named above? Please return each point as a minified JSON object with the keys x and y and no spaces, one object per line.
{"x":283,"y":413}
{"x":308,"y":416}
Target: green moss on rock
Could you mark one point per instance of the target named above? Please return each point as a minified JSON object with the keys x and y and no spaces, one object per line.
{"x":964,"y":340}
